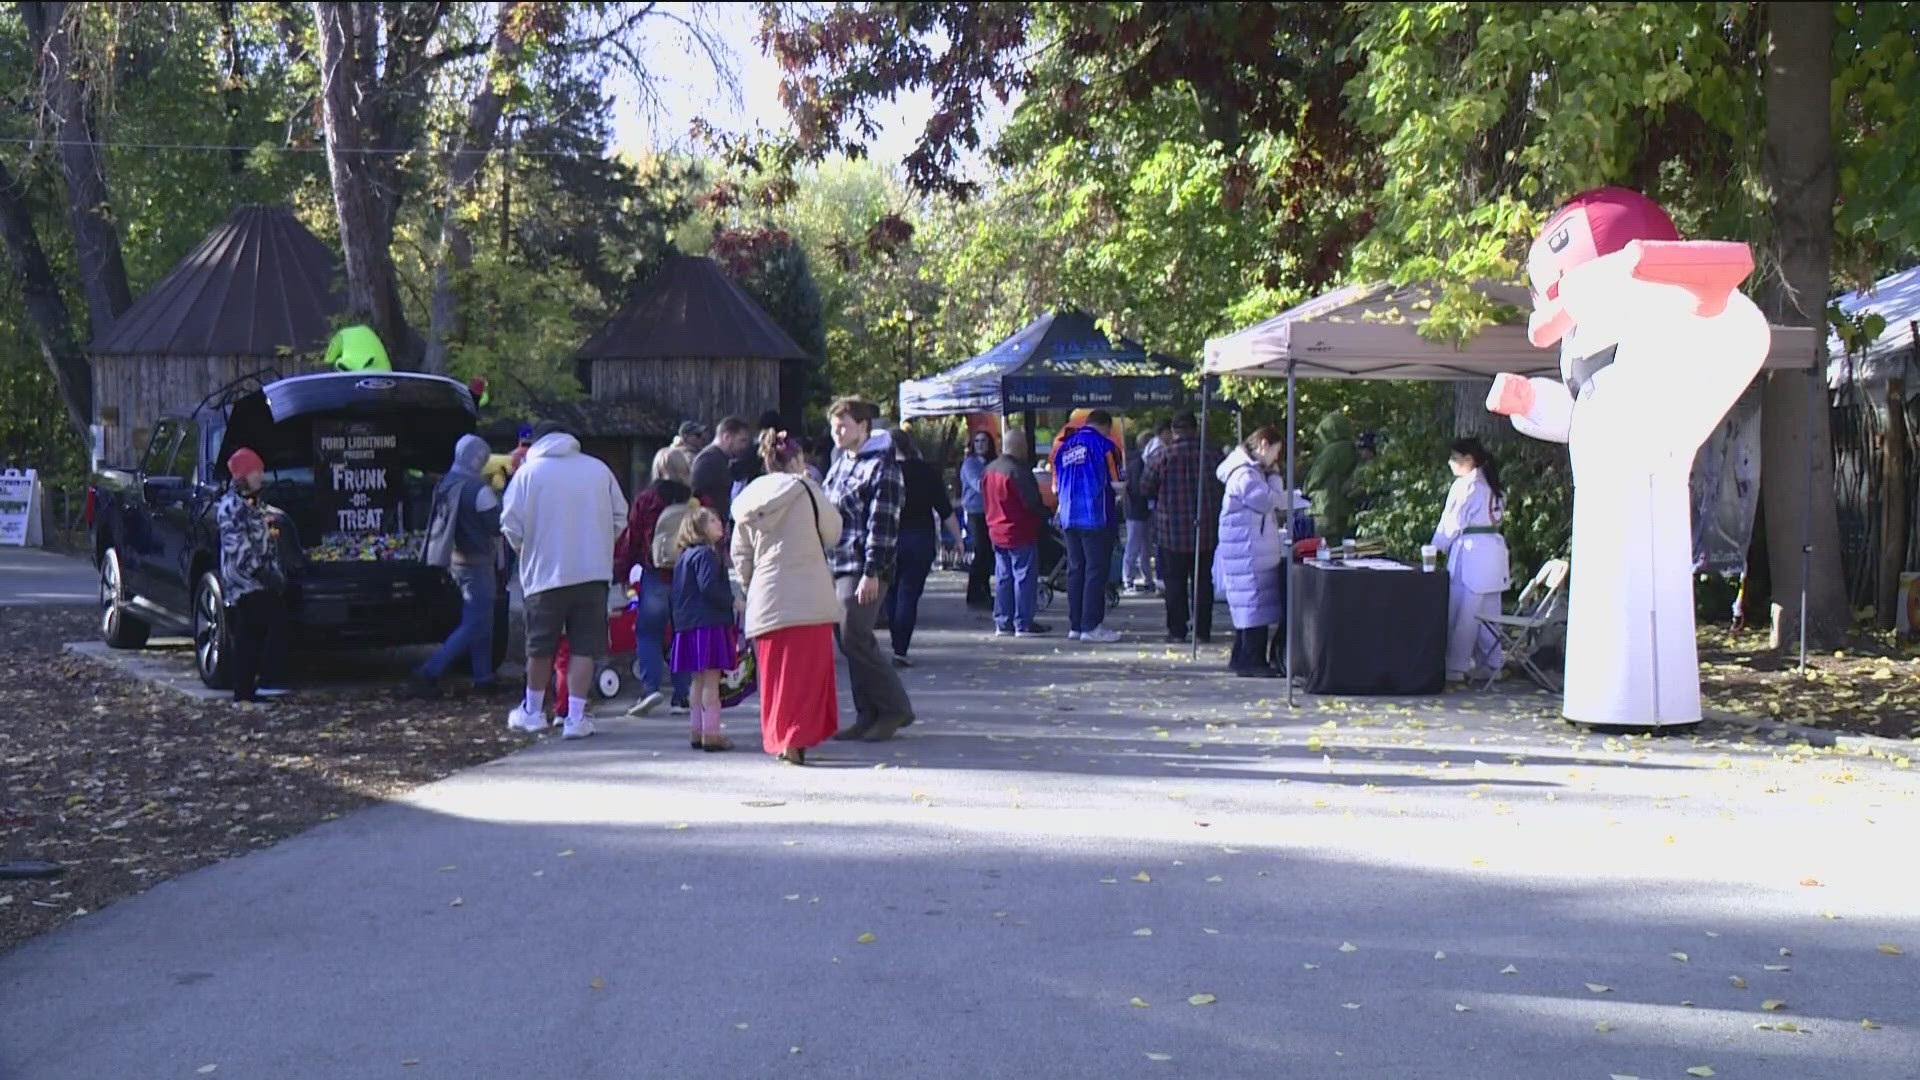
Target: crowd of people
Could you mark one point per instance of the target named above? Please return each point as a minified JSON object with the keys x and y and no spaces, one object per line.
{"x":747,"y":537}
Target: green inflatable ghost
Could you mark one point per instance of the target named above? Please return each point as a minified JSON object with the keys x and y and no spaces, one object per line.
{"x":1328,"y":481}
{"x":358,"y":348}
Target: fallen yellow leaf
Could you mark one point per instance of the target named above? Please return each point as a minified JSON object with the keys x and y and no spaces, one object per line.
{"x":1349,"y":1004}
{"x":1773,"y":1005}
{"x":1598,"y":989}
{"x":566,"y":853}
{"x":1457,"y":1007}
{"x":1776,"y":967}
{"x":1439,"y":956}
{"x":1889,"y":950}
{"x":1602,"y":1027}
{"x":1138,"y":1003}
{"x":1509,"y":970}
{"x":677,"y":826}
{"x":866,"y":938}
{"x":1143,"y":932}
{"x":1202,"y":999}
{"x":598,"y":984}
{"x":1680,"y":956}
{"x":1155,"y":1055}
{"x":1348,"y":946}
{"x":1700,"y":1070}
{"x":1143,"y":877}
{"x":1869,"y":1025}
{"x":1738,"y":982}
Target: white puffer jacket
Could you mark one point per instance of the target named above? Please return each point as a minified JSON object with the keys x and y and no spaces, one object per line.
{"x":1247,"y":563}
{"x":780,"y":540}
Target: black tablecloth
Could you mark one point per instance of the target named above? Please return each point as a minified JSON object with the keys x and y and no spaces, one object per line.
{"x":1365,"y":631}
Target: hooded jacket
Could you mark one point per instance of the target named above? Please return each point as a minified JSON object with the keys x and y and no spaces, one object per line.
{"x":563,"y":512}
{"x":783,"y":526}
{"x":466,"y":513}
{"x":1082,"y":474}
{"x":643,"y":519}
{"x":1251,"y":551}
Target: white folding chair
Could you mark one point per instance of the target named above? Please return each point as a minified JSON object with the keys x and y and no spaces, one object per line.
{"x":1540,"y":608}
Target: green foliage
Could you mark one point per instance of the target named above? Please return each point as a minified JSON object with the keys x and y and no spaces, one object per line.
{"x":33,"y":424}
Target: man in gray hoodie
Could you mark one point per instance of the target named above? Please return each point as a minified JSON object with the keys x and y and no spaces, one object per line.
{"x":463,"y":536}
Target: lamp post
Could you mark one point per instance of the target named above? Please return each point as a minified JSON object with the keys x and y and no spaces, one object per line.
{"x":909,"y":317}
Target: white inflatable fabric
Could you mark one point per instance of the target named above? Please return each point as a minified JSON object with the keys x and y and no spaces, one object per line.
{"x":1632,"y":432}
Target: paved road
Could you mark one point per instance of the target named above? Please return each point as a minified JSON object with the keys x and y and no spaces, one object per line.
{"x":32,"y":576}
{"x":1067,"y":830}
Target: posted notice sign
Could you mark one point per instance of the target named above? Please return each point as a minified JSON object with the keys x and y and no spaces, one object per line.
{"x":358,"y":478}
{"x":20,"y":508}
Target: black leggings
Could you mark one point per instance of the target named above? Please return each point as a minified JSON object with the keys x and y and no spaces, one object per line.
{"x":257,"y":632}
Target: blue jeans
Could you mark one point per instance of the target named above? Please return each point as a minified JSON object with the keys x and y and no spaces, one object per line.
{"x":913,"y":554}
{"x":1016,"y":586}
{"x":1089,"y":564}
{"x":474,"y":636}
{"x":650,"y":636}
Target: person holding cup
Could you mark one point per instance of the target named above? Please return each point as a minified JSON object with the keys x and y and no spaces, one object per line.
{"x":1469,"y":536}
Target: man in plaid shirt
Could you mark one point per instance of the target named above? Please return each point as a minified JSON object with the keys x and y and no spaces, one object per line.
{"x":866,"y":487}
{"x":1186,"y":525}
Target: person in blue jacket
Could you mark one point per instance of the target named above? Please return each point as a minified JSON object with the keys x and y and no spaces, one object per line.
{"x":1086,"y":483}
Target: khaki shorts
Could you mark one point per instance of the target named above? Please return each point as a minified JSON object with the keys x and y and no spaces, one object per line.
{"x":577,"y":611}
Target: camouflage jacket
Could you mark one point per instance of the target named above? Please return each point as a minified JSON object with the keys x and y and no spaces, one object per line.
{"x":248,"y":559}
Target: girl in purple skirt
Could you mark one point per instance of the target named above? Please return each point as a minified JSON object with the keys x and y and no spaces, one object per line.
{"x":705,"y":615}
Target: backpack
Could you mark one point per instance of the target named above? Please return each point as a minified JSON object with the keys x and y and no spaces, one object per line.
{"x":665,"y":529}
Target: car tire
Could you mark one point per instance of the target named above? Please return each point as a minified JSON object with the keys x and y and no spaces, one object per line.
{"x":212,"y":643}
{"x":118,"y":628}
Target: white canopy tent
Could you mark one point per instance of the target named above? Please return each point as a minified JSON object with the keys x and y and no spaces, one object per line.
{"x":1372,"y":331}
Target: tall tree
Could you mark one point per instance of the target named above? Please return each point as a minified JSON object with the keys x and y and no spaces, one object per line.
{"x":1798,"y":162}
{"x":46,"y":308}
{"x":489,"y":100}
{"x":67,"y":98}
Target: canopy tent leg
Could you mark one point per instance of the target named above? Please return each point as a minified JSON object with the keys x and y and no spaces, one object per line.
{"x":1199,"y":525}
{"x":1287,"y":535}
{"x":1815,"y":395}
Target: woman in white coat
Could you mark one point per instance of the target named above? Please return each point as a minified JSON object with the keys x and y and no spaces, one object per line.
{"x":1247,"y":565}
{"x":1469,"y":534}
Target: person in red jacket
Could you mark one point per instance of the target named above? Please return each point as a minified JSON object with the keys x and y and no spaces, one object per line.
{"x":1014,"y":516}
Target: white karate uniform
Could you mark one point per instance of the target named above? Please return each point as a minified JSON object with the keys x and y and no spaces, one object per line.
{"x":1477,"y":571}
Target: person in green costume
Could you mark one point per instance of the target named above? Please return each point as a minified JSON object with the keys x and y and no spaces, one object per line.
{"x":1329,"y":481}
{"x":358,"y":348}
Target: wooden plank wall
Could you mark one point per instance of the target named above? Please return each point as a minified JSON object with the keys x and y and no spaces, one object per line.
{"x":145,"y":388}
{"x":699,"y":389}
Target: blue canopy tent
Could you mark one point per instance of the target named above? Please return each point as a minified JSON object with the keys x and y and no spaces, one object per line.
{"x":1060,"y":360}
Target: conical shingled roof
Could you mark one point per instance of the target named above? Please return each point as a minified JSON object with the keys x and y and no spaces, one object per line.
{"x":259,"y":285}
{"x":691,"y":309}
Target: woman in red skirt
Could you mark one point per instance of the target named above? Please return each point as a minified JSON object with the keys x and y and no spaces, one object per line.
{"x":783,"y":526}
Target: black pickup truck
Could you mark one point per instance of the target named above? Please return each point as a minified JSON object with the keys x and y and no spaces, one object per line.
{"x":352,"y":460}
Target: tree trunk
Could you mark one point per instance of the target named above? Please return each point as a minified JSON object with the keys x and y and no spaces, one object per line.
{"x":1893,"y":504}
{"x":1803,"y":523}
{"x":456,"y":249}
{"x":96,"y":242}
{"x":46,"y":308}
{"x":1470,"y":415}
{"x":349,"y":48}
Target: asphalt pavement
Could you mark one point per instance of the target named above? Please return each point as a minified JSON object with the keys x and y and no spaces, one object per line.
{"x":1099,"y":861}
{"x":33,"y":576}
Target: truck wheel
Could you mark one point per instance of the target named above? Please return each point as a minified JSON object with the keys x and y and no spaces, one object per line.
{"x":212,"y":644}
{"x":117,"y":628}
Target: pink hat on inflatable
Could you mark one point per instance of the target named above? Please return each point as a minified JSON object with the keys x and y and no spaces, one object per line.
{"x":1591,"y":224}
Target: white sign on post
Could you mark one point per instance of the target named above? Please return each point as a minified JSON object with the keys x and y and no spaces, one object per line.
{"x":20,"y":508}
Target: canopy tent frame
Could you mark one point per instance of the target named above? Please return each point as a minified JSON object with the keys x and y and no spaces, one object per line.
{"x":1371,"y":332}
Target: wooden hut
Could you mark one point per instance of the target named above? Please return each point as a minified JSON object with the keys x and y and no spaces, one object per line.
{"x":693,"y":344}
{"x":259,"y":292}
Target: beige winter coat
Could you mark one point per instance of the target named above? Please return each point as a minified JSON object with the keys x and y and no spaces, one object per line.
{"x":780,"y":539}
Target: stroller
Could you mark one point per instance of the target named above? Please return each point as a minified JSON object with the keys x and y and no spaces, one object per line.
{"x":1053,"y":568}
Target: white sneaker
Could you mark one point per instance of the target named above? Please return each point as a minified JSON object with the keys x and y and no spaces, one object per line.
{"x":1073,"y":635}
{"x":1101,"y":635}
{"x":577,"y":731}
{"x":522,"y":720}
{"x":647,"y":703}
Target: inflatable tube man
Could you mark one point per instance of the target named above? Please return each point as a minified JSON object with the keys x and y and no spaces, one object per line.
{"x":1656,"y":344}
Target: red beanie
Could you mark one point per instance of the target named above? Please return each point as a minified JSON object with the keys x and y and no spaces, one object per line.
{"x":244,"y":462}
